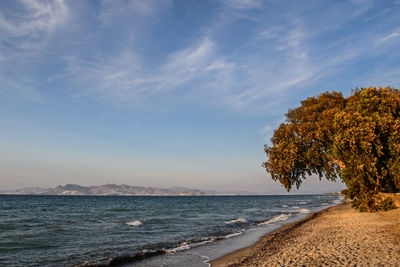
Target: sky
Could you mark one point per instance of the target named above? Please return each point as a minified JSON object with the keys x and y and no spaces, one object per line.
{"x":175,"y":93}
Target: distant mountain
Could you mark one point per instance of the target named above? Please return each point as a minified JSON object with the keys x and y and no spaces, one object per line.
{"x":25,"y":191}
{"x":112,"y":190}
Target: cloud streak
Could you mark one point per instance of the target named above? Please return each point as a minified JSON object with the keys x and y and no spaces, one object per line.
{"x":40,"y":19}
{"x":38,"y":16}
{"x":26,"y":31}
{"x":123,"y":79}
{"x":207,"y":64}
{"x":390,"y":36}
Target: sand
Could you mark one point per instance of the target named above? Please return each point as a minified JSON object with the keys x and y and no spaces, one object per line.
{"x":337,"y":236}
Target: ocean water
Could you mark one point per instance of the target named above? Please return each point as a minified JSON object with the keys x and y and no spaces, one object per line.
{"x":140,"y":231}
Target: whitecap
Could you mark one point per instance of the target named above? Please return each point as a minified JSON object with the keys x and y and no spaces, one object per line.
{"x":234,"y":234}
{"x":302,"y":202}
{"x":238,"y":220}
{"x":282,"y":217}
{"x":188,"y":245}
{"x":183,"y":246}
{"x":134,"y":223}
{"x":304,"y":211}
{"x":191,"y":244}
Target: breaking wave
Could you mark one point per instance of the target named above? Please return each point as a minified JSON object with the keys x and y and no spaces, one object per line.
{"x":198,"y":242}
{"x":304,"y":211}
{"x":282,"y":217}
{"x":238,"y":220}
{"x":147,"y":253}
{"x":134,"y":223}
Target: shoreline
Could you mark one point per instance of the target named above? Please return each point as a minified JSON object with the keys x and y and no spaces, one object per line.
{"x":337,"y":235}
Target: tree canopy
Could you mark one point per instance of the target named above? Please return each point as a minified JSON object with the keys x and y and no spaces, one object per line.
{"x":355,"y":138}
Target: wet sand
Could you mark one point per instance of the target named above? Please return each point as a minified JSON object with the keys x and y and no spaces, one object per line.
{"x":337,"y":236}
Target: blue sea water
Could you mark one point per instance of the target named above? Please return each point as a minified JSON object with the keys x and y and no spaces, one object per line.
{"x":140,"y":231}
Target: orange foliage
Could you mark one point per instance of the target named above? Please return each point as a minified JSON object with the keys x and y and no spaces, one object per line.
{"x":355,"y":138}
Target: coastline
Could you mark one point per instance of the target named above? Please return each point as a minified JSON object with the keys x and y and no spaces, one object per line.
{"x":337,"y":235}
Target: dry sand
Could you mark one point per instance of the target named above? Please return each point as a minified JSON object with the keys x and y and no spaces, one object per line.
{"x":337,"y":236}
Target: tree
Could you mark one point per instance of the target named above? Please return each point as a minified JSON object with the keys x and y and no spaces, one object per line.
{"x":356,"y":139}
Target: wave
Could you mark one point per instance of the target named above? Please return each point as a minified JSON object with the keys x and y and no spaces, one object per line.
{"x":123,"y":259}
{"x":183,"y":246}
{"x":238,"y":220}
{"x":190,"y":244}
{"x":304,"y":211}
{"x":238,"y":233}
{"x":282,"y":217}
{"x":302,"y":202}
{"x":147,"y":253}
{"x":198,"y":242}
{"x":134,"y":223}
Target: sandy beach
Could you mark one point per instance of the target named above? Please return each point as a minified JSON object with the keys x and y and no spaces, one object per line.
{"x":337,"y":236}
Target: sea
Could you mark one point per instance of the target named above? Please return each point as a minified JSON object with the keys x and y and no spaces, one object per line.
{"x":141,"y":231}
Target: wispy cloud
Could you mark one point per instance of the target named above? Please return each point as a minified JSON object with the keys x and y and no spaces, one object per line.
{"x":277,"y":53}
{"x":28,"y":25}
{"x":124,"y":79}
{"x":390,"y":36}
{"x":38,"y":16}
{"x":25,"y":34}
{"x":201,"y":71}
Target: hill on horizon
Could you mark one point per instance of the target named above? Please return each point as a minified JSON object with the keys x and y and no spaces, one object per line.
{"x":116,"y":190}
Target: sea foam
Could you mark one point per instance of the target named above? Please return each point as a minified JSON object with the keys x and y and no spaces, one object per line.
{"x":195,"y":243}
{"x":190,"y":244}
{"x":233,"y":234}
{"x":183,"y":246}
{"x":134,"y":223}
{"x":282,"y":217}
{"x":238,"y":220}
{"x":304,"y":211}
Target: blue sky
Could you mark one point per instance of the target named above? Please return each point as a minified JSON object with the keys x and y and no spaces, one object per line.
{"x":175,"y":93}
